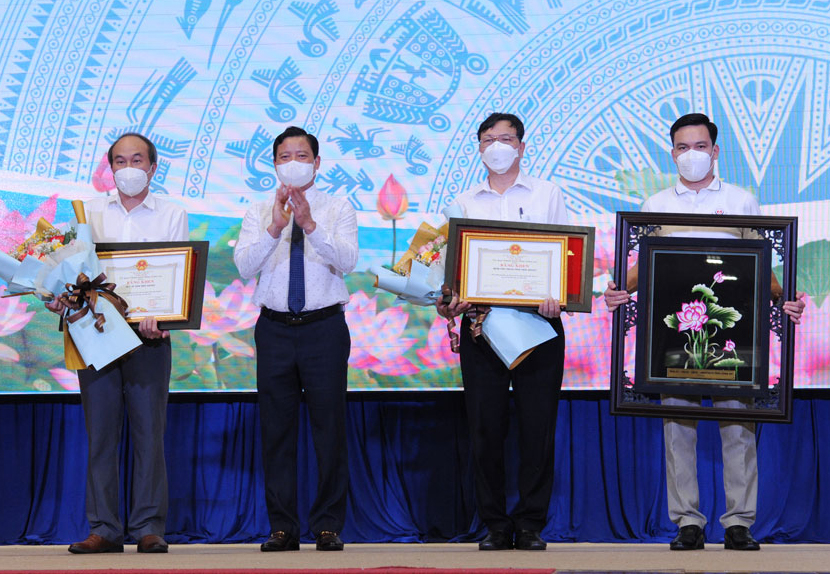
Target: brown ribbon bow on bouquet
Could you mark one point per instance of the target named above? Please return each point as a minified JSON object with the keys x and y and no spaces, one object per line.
{"x":83,"y":296}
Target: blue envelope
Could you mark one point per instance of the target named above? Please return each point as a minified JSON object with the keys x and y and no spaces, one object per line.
{"x":513,"y":334}
{"x":99,"y":349}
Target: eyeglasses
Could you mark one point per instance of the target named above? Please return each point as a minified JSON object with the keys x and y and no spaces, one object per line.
{"x":503,"y":138}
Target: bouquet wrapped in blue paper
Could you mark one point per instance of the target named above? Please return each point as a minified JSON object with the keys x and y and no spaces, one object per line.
{"x":418,"y":278}
{"x":418,"y":275}
{"x":55,"y":263}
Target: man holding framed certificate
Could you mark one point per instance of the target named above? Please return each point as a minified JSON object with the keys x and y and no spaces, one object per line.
{"x":138,"y":381}
{"x":698,"y":191}
{"x":508,"y":194}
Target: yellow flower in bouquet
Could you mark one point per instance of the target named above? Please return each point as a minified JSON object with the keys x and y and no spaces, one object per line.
{"x":431,"y":250}
{"x":45,"y":240}
{"x":425,"y":248}
{"x":418,"y":283}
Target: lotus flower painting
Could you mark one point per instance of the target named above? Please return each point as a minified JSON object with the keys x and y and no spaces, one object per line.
{"x":702,"y":321}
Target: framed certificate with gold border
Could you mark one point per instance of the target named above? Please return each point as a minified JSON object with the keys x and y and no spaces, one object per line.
{"x":164,"y":280}
{"x":519,"y":263}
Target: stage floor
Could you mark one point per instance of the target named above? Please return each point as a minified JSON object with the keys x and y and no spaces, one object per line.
{"x":562,"y":557}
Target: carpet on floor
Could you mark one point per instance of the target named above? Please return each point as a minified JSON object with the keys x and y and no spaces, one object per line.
{"x":381,"y":570}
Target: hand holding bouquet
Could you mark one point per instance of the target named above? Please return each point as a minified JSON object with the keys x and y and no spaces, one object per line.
{"x":57,"y":264}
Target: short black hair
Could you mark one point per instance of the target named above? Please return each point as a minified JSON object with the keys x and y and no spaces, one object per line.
{"x":294,"y":132}
{"x":694,"y":120}
{"x":152,"y":154}
{"x":493,"y":119}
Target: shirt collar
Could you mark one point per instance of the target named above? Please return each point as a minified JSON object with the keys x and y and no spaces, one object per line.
{"x":680,"y":189}
{"x":149,"y":201}
{"x":522,"y":180}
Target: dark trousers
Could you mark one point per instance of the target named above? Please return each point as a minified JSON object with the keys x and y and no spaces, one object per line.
{"x":536,"y":384}
{"x":308,"y":360}
{"x":140,"y":382}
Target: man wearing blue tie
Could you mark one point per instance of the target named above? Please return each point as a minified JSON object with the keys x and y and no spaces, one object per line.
{"x":301,"y":244}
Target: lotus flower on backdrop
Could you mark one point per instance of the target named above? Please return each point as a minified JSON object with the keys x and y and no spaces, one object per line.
{"x":226,"y":314}
{"x":14,"y":228}
{"x":438,"y":352}
{"x":392,"y":204}
{"x":103,"y":179}
{"x":604,"y":252}
{"x":66,"y":378}
{"x":589,"y":348}
{"x":811,"y":364}
{"x":377,"y":338}
{"x":700,"y":320}
{"x":13,"y":317}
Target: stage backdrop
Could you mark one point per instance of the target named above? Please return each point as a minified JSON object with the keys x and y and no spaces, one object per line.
{"x":395,"y":89}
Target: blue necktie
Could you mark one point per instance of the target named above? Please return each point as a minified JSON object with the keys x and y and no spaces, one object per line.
{"x":296,"y":271}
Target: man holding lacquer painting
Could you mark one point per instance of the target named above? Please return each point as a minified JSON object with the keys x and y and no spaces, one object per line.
{"x":698,"y":191}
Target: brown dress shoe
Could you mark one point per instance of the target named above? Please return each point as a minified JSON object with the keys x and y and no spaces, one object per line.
{"x":95,"y":544}
{"x":152,"y":544}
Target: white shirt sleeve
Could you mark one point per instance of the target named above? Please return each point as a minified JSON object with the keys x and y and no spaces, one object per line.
{"x":255,"y":245}
{"x":337,"y":247}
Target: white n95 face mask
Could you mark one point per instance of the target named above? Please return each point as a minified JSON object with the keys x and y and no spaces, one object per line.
{"x":295,"y":173}
{"x":694,"y":165}
{"x":499,"y":156}
{"x":130,"y":180}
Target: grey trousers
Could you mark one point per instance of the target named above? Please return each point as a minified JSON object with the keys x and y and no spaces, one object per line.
{"x":139,"y":382}
{"x":740,"y":467}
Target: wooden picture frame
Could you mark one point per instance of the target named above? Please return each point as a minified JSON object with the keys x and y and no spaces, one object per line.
{"x":641,"y":378}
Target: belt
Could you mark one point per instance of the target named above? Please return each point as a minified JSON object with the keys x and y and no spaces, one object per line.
{"x":290,"y":319}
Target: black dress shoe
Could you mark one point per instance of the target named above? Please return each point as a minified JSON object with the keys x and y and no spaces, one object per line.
{"x":95,"y":544}
{"x":152,"y":544}
{"x":328,"y":540}
{"x":739,"y":538}
{"x":279,"y":541}
{"x":529,"y":540}
{"x":689,"y":538}
{"x":497,"y":540}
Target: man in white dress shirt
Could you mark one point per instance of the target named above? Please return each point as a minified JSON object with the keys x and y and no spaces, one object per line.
{"x":301,"y":244}
{"x":508,"y":194}
{"x":697,"y":191}
{"x":140,"y":380}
